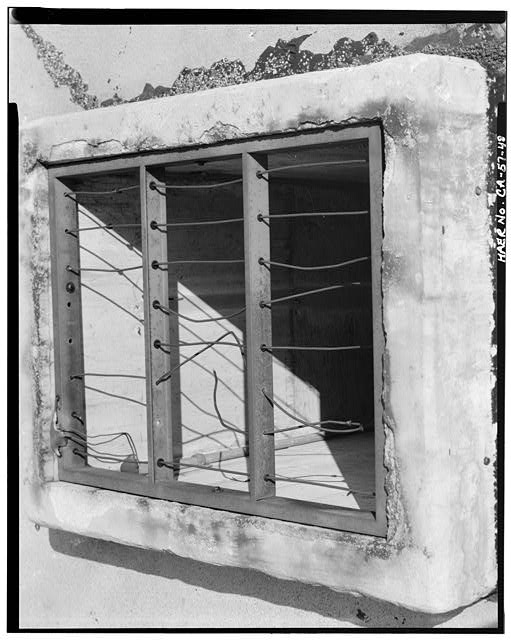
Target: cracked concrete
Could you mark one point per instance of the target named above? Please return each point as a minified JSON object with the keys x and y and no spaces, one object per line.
{"x":484,"y":43}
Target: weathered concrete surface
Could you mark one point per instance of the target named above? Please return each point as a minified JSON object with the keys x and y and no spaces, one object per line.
{"x":437,"y":313}
{"x":163,"y":590}
{"x":164,"y":60}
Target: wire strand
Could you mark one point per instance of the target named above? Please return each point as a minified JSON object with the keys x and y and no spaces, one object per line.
{"x":176,"y":465}
{"x":128,"y":245}
{"x":192,"y":300}
{"x":69,"y":194}
{"x":103,"y":458}
{"x":116,"y":304}
{"x":157,"y":305}
{"x":192,"y":344}
{"x":166,"y":376}
{"x":115,"y":436}
{"x":247,"y":479}
{"x":217,"y":410}
{"x":114,"y":395}
{"x":114,"y":270}
{"x":303,"y":294}
{"x":260,"y":173}
{"x":204,"y":411}
{"x":79,"y":376}
{"x":269,"y":348}
{"x":316,"y":425}
{"x":194,"y":223}
{"x":312,"y":214}
{"x":237,"y":343}
{"x":154,"y":187}
{"x":101,"y":227}
{"x":297,"y":480}
{"x":201,"y":436}
{"x":121,"y":273}
{"x":88,"y":447}
{"x":318,"y":268}
{"x":155,"y":264}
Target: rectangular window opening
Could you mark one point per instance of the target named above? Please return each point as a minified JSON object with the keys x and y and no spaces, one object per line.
{"x":218,"y":315}
{"x":322,"y":324}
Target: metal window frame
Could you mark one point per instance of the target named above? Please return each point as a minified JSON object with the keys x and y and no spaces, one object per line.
{"x":159,"y":483}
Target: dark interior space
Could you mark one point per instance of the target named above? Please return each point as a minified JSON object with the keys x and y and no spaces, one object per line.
{"x":341,"y":317}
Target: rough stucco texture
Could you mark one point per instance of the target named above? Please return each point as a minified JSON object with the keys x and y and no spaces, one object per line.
{"x":437,"y":314}
{"x":484,"y":43}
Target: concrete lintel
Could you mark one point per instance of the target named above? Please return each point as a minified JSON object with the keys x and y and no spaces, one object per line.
{"x":261,"y":108}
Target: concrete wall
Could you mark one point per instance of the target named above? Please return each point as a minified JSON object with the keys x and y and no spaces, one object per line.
{"x":446,"y":281}
{"x":63,"y":68}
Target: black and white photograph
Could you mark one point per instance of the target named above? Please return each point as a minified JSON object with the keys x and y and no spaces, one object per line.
{"x":261,"y":319}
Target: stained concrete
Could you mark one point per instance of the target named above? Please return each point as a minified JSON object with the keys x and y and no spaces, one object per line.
{"x":193,"y":58}
{"x":111,"y":585}
{"x":437,"y":314}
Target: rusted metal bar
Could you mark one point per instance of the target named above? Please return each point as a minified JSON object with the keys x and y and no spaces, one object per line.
{"x":156,"y":326}
{"x":258,"y":288}
{"x":67,"y":313}
{"x":311,"y":513}
{"x":263,"y":144}
{"x":173,"y":333}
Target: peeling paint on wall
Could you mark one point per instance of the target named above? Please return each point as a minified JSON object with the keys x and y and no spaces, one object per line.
{"x":477,"y":42}
{"x":483,"y":43}
{"x":62,"y":74}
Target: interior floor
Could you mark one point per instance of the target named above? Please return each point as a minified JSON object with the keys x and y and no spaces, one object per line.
{"x":345,"y":461}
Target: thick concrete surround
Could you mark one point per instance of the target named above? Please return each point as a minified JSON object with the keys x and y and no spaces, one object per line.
{"x":437,"y":314}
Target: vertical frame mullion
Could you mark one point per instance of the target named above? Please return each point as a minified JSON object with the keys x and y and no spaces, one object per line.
{"x":375,"y":201}
{"x":174,"y":353}
{"x":67,"y":314}
{"x":156,"y":324}
{"x":258,"y":328}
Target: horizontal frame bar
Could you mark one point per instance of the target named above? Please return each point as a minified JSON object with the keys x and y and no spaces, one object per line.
{"x":221,"y":150}
{"x":287,"y":509}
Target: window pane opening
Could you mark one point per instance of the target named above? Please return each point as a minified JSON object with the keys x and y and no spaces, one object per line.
{"x":106,"y":274}
{"x":206,"y":271}
{"x":322,"y":330}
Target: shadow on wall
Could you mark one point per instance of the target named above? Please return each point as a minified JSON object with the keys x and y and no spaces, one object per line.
{"x":358,"y":610}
